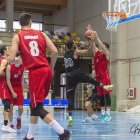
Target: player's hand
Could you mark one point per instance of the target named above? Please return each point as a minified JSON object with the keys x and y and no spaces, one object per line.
{"x":14,"y":95}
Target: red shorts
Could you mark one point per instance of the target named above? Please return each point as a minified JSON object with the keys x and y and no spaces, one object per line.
{"x":102,"y":91}
{"x":39,"y":84}
{"x":4,"y":90}
{"x":20,"y":97}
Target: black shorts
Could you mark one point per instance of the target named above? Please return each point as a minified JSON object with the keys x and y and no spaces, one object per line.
{"x":75,"y":77}
{"x":94,"y":97}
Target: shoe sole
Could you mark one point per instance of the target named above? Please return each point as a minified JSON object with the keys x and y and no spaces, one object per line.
{"x":8,"y":131}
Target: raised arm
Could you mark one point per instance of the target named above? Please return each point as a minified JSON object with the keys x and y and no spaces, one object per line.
{"x":14,"y":48}
{"x":89,"y":49}
{"x":101,"y":46}
{"x":52,"y":49}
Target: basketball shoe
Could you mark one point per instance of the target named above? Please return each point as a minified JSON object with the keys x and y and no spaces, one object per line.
{"x":107,"y":118}
{"x":109,"y":87}
{"x":87,"y":120}
{"x":18,"y":123}
{"x":94,"y":117}
{"x":69,"y":121}
{"x":27,"y":138}
{"x":7,"y":128}
{"x":102,"y":118}
{"x":65,"y":135}
{"x":11,"y":125}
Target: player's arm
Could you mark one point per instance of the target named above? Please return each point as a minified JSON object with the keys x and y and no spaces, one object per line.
{"x":3,"y":66}
{"x":8,"y":75}
{"x":52,"y":49}
{"x":88,"y":50}
{"x":14,"y":48}
{"x":93,"y":49}
{"x":101,"y":45}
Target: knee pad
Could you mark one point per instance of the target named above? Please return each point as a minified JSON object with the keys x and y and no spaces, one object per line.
{"x":39,"y":111}
{"x":6,"y":103}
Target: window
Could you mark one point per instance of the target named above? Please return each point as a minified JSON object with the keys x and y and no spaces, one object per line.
{"x":16,"y":25}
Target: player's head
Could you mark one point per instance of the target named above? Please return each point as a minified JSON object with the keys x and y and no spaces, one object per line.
{"x":3,"y":49}
{"x":25,"y":19}
{"x":18,"y":60}
{"x":106,"y":45}
{"x":69,"y":44}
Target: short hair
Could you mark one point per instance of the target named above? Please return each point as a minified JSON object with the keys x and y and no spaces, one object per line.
{"x":2,"y":48}
{"x":24,"y":19}
{"x":69,"y":43}
{"x":106,"y":44}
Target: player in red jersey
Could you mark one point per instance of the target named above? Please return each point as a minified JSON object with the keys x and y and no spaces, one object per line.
{"x":101,"y":60}
{"x":14,"y":77}
{"x":32,"y":46}
{"x":5,"y":94}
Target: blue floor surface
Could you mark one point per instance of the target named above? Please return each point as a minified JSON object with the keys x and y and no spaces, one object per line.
{"x":124,"y":126}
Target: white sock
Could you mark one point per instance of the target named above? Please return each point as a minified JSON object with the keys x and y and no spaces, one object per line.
{"x":32,"y":128}
{"x":102,"y":112}
{"x":108,"y":111}
{"x":57,"y":127}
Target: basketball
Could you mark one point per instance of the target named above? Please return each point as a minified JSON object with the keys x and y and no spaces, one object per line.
{"x":122,"y":15}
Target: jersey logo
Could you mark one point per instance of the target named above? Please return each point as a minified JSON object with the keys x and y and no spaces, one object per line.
{"x":68,"y":62}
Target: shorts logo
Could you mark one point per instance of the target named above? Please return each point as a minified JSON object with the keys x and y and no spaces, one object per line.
{"x":68,"y":62}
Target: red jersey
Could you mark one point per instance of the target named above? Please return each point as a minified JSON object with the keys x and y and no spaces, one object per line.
{"x":32,"y":49}
{"x":101,"y":66}
{"x":16,"y":75}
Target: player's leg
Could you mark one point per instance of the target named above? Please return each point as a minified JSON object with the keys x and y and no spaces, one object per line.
{"x":19,"y":102}
{"x":84,"y":78}
{"x":20,"y":112}
{"x":42,"y":81}
{"x":5,"y":126}
{"x":102,"y":104}
{"x":89,"y":106}
{"x":11,"y":116}
{"x":72,"y":82}
{"x":108,"y":105}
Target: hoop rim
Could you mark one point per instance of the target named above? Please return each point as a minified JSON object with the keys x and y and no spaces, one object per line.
{"x":111,"y":13}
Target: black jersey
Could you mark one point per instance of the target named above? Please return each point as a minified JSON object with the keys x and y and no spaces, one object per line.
{"x":70,"y":63}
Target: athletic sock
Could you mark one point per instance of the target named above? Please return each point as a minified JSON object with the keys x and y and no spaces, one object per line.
{"x":57,"y":127}
{"x":32,"y":128}
{"x":102,"y":112}
{"x":108,"y":111}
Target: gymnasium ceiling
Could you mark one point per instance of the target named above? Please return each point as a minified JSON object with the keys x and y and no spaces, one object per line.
{"x":44,"y":7}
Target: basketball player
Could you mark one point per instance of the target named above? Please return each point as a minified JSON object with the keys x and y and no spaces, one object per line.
{"x":5,"y":94}
{"x":91,"y":99}
{"x":74,"y":74}
{"x":32,"y":46}
{"x":101,"y":60}
{"x":14,"y":77}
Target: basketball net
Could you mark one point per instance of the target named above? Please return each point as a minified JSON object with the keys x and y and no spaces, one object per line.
{"x":112,"y":19}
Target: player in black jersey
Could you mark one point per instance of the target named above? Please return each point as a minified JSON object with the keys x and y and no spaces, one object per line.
{"x":74,"y":75}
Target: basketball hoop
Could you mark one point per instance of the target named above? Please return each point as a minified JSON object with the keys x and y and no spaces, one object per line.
{"x":112,"y":19}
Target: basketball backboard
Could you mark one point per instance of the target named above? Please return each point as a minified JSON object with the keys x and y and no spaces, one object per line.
{"x":130,"y":7}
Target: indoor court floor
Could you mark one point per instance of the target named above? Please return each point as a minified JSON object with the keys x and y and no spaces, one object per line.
{"x":123,"y":126}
